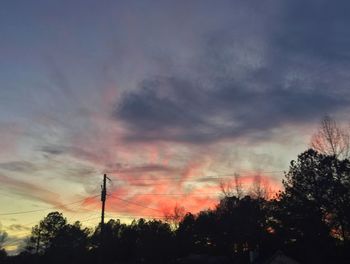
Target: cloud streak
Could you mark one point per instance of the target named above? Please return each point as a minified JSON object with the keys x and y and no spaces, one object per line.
{"x":32,"y":191}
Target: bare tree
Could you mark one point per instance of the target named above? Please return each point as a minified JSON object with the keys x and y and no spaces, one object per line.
{"x":331,"y":139}
{"x":175,"y":217}
{"x":228,"y":189}
{"x":259,"y":188}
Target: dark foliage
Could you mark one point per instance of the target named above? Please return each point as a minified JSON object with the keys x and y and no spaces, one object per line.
{"x":313,"y":211}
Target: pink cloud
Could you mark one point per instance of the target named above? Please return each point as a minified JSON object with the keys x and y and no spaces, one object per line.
{"x":10,"y":134}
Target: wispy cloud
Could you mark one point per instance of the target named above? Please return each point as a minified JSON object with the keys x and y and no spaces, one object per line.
{"x":32,"y":191}
{"x":18,"y":166}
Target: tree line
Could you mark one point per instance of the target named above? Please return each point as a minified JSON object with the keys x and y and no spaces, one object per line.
{"x":309,"y":220}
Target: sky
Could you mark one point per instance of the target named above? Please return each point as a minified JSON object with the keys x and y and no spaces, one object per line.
{"x":169,"y":98}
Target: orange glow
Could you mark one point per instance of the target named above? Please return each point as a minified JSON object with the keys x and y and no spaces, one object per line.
{"x":164,"y":194}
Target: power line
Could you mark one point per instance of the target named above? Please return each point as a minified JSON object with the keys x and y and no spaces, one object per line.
{"x":220,"y":174}
{"x":207,"y":176}
{"x":177,"y":194}
{"x":44,"y":209}
{"x":130,"y":202}
{"x":135,"y":216}
{"x":19,"y":240}
{"x":203,"y":178}
{"x":150,"y":184}
{"x":153,"y":180}
{"x":88,"y":219}
{"x":187,"y":194}
{"x":38,"y":222}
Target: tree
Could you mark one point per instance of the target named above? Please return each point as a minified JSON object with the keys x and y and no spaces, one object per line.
{"x":57,"y":241}
{"x":242,"y":224}
{"x":229,"y":189}
{"x":185,"y":235}
{"x":113,"y":239}
{"x":69,"y":244}
{"x":155,"y":241}
{"x":313,"y":210}
{"x":205,"y":231}
{"x":259,"y":188}
{"x":331,"y":139}
{"x":174,"y":217}
{"x":43,"y":234}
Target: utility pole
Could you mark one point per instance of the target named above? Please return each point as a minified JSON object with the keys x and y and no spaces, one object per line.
{"x":103,"y":200}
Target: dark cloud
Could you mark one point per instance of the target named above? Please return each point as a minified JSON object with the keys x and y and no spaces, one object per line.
{"x":245,"y":84}
{"x":317,"y":28}
{"x":232,"y":110}
{"x":53,"y":149}
{"x":150,"y":108}
{"x":145,"y":169}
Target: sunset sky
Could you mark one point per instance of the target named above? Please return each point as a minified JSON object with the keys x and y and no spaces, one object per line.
{"x":167,"y":97}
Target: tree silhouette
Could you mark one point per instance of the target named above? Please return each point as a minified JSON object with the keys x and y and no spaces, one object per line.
{"x":145,"y":241}
{"x":315,"y":204}
{"x":44,"y":234}
{"x":331,"y":139}
{"x":175,"y":216}
{"x":186,"y":236}
{"x":229,"y":189}
{"x":58,"y":241}
{"x":242,"y":224}
{"x":259,"y":189}
{"x":155,"y":240}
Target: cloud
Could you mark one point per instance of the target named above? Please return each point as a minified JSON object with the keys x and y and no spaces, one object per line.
{"x":14,"y":243}
{"x":146,"y":168}
{"x":160,"y":110}
{"x":32,"y":191}
{"x":18,"y":166}
{"x":10,"y":132}
{"x":55,"y":150}
{"x":17,"y":227}
{"x":245,"y":81}
{"x":315,"y":29}
{"x":160,"y":195}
